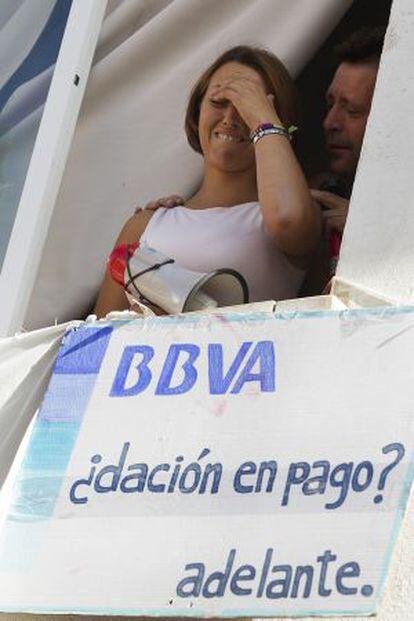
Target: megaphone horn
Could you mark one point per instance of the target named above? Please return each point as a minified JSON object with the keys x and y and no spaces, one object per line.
{"x":147,"y":274}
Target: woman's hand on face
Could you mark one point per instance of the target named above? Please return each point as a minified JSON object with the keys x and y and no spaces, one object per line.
{"x":167,"y":201}
{"x":249,"y":98}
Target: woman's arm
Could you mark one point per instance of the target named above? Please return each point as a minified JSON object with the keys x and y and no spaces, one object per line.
{"x":111,"y":295}
{"x":290,"y":215}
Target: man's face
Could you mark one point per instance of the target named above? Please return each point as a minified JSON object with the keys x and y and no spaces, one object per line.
{"x":348,"y":104}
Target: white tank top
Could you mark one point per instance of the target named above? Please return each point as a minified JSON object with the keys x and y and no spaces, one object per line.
{"x":204,"y":240}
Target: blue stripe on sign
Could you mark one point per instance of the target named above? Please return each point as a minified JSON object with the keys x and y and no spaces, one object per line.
{"x":58,"y":423}
{"x":40,"y":477}
{"x":82,"y":350}
{"x":66,"y":398}
{"x":50,"y":445}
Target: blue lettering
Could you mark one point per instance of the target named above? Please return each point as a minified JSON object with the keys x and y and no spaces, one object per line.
{"x":220,"y":577}
{"x":144,"y":374}
{"x":114,"y":473}
{"x":216,"y":470}
{"x":175,"y":474}
{"x":302,"y":570}
{"x":138,"y":479}
{"x":194,"y":470}
{"x":271,"y":466}
{"x":317,"y":484}
{"x":219,"y":383}
{"x":179,"y":373}
{"x":265,"y":571}
{"x":264,"y":353}
{"x":248,"y":467}
{"x":324,"y":559}
{"x":349,"y":570}
{"x":275,"y":581}
{"x":81,"y":500}
{"x":357,"y":486}
{"x":194,"y":582}
{"x":340,"y":477}
{"x":160,"y":487}
{"x":190,"y":372}
{"x":282,"y":584}
{"x":297,"y":474}
{"x":242,"y":574}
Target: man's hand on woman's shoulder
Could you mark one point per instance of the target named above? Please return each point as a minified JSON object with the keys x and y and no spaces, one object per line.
{"x":166,"y":201}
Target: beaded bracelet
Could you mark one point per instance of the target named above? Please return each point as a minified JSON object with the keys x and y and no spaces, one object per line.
{"x":266,"y":129}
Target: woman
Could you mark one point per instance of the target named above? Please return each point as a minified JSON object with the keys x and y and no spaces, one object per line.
{"x":253,"y":211}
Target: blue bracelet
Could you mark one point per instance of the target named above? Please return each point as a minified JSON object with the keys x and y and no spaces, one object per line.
{"x":267,"y":129}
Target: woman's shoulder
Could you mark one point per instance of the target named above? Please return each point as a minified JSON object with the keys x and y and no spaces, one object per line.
{"x":134,"y":227}
{"x":219,"y":209}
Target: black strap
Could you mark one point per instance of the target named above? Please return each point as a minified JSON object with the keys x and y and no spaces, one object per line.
{"x":132,"y":278}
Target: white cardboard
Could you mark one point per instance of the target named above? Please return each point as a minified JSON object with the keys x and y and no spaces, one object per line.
{"x":344,"y":397}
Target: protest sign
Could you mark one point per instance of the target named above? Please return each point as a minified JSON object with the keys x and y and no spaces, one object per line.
{"x":236,"y":465}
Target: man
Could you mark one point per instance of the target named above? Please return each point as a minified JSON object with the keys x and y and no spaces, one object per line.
{"x":348,"y":102}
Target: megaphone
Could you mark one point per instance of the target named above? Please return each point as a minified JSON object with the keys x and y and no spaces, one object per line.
{"x":148,"y":275}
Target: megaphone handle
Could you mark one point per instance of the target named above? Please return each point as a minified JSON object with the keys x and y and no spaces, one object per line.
{"x":156,"y":266}
{"x":132,"y":277}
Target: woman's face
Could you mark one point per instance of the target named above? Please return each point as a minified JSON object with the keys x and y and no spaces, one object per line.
{"x":224,"y":136}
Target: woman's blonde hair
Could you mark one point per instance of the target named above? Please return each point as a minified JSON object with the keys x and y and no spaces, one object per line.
{"x":274,"y":74}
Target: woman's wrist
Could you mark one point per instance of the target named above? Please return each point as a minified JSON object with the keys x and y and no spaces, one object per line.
{"x":270,"y":117}
{"x":269,"y":129}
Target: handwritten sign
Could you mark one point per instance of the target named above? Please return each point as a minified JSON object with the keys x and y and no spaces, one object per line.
{"x":231,"y":466}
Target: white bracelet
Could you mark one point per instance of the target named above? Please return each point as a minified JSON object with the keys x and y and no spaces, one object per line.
{"x":267,"y":129}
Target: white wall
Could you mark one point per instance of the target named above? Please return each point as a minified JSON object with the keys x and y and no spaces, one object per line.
{"x":378,"y":247}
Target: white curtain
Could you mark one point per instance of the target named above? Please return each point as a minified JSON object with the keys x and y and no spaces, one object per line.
{"x":26,"y":361}
{"x":21,"y":23}
{"x":129,"y":145}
